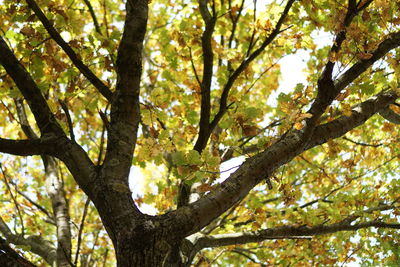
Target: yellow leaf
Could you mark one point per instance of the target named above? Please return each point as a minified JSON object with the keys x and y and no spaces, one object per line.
{"x":346,"y":109}
{"x":388,"y":127}
{"x":394,"y":107}
{"x":397,"y":90}
{"x":298,"y":125}
{"x":303,"y":116}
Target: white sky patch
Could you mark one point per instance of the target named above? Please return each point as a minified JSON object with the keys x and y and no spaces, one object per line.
{"x":137,"y":184}
{"x":292,"y":73}
{"x":148,"y":209}
{"x":66,"y":36}
{"x":229,"y":167}
{"x":136,"y":181}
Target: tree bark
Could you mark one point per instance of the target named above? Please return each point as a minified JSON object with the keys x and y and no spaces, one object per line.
{"x":148,"y":249}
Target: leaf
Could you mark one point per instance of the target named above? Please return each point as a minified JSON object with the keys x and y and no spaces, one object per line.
{"x":342,"y":96}
{"x":364,"y":56}
{"x":298,"y":125}
{"x":368,"y":88}
{"x":250,"y":130}
{"x":178,"y":158}
{"x":28,"y":31}
{"x":204,"y":188}
{"x":388,"y":127}
{"x":193,"y":157}
{"x":346,"y":109}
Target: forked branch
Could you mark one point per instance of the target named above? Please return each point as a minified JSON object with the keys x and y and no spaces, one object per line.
{"x":38,"y":105}
{"x":327,"y":91}
{"x":223,"y":104}
{"x":262,"y":165}
{"x":92,"y":78}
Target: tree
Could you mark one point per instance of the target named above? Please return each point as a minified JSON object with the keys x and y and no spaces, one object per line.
{"x":176,"y":88}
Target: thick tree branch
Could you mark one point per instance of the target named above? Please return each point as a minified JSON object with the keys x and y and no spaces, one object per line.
{"x":9,"y":257}
{"x":286,"y":232}
{"x":125,"y":110}
{"x":208,"y":60}
{"x":198,"y":214}
{"x":25,"y":147}
{"x":93,"y":79}
{"x":124,"y":119}
{"x":38,"y":105}
{"x":55,"y":189}
{"x":37,"y":244}
{"x":357,"y":69}
{"x":360,"y":114}
{"x":327,"y":91}
{"x":390,"y":115}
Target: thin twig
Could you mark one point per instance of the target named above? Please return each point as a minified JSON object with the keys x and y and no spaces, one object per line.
{"x":69,"y":120}
{"x":105,"y":257}
{"x":91,"y":11}
{"x":13,"y":198}
{"x":81,"y":226}
{"x":41,"y":208}
{"x":360,"y":143}
{"x":194,"y":68}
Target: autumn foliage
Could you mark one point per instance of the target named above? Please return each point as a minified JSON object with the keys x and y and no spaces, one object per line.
{"x":158,"y":133}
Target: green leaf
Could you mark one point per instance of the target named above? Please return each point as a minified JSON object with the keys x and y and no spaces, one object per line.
{"x":193,"y":157}
{"x":178,"y":158}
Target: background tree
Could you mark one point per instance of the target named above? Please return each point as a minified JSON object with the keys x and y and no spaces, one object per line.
{"x":176,"y":88}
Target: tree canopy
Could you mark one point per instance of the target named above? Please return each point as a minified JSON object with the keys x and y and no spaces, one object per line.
{"x":116,"y":117}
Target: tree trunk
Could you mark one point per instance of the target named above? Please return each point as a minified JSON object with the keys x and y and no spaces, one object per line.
{"x":153,"y":252}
